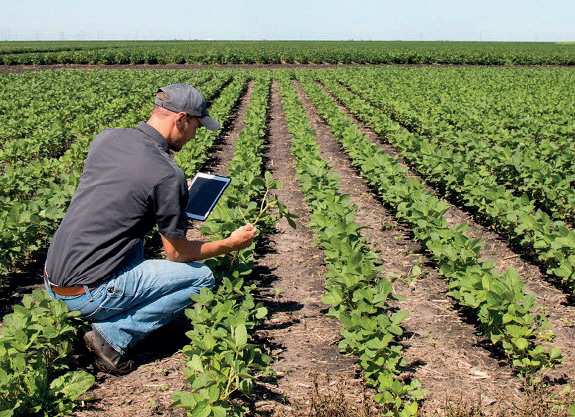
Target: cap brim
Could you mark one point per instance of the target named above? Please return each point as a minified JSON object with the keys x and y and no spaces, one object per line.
{"x":209,"y":123}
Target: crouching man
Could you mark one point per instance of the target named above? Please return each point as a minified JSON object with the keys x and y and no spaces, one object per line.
{"x":129,"y":184}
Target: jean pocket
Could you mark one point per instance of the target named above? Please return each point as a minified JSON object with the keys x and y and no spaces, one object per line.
{"x":94,"y":306}
{"x":74,"y":302}
{"x":83,"y":303}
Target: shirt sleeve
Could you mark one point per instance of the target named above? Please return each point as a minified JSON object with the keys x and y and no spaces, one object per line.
{"x":170,"y":197}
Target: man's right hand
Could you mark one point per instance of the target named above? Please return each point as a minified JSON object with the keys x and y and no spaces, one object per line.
{"x":242,"y":237}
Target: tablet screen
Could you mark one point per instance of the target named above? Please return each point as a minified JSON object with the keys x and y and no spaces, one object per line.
{"x":205,"y":191}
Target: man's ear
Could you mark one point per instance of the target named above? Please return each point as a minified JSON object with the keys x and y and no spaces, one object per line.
{"x":180,"y":120}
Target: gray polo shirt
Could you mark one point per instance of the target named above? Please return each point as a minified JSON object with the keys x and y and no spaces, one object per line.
{"x":128,"y":185}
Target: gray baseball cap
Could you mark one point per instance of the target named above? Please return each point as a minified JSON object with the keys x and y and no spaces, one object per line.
{"x":183,"y":97}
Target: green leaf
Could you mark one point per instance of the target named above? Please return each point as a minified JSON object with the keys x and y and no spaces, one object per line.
{"x":72,"y":384}
{"x":213,"y":393}
{"x":332,"y":298}
{"x":261,"y":312}
{"x":246,"y":386}
{"x":555,"y":353}
{"x":184,"y":399}
{"x":196,"y":363}
{"x":241,"y":336}
{"x":202,"y":409}
{"x":521,"y":343}
{"x":270,"y":181}
{"x":219,"y":411}
{"x":398,"y":317}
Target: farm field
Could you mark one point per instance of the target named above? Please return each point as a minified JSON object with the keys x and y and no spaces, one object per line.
{"x":432,"y":263}
{"x":285,"y":52}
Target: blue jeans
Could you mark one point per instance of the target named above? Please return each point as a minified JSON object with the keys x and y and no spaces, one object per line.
{"x":141,"y":296}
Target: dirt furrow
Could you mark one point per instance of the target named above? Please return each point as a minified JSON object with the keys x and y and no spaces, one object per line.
{"x":302,"y":339}
{"x":552,"y":301}
{"x":147,"y":391}
{"x":444,"y":351}
{"x":222,"y":151}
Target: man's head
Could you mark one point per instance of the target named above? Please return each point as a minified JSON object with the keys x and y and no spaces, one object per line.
{"x":185,"y":98}
{"x":179,"y":110}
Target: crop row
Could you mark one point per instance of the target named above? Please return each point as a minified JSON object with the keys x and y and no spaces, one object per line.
{"x":222,"y":365}
{"x":30,"y":101}
{"x":548,"y":241}
{"x":276,"y":52}
{"x":509,"y":104}
{"x":498,"y":299}
{"x":358,"y":296}
{"x":18,"y":47}
{"x":515,"y":108}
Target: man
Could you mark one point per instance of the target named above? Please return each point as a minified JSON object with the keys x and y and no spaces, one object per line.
{"x":129,"y":184}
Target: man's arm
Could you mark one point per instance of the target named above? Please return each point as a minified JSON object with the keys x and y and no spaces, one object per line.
{"x":184,"y":250}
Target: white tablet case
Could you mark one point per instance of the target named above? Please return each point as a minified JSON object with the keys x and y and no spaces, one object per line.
{"x":205,"y":191}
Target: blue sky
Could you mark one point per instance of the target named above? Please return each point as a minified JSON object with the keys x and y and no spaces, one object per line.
{"x":488,"y":20}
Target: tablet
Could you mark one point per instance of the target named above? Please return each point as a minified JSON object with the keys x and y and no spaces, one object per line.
{"x":205,"y":191}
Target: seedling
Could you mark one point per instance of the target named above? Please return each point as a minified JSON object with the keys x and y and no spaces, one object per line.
{"x":415,"y":274}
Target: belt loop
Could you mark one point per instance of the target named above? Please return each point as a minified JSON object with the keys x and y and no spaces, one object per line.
{"x":88,"y":293}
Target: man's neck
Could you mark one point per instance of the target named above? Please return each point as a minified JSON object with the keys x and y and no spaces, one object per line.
{"x":160,"y":126}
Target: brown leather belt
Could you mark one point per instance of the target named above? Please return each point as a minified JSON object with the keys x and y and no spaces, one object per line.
{"x":67,"y":291}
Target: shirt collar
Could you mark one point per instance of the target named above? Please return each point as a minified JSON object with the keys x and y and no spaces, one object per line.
{"x":154,"y":135}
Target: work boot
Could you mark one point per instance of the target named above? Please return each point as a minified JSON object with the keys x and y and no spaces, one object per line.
{"x":108,"y":359}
